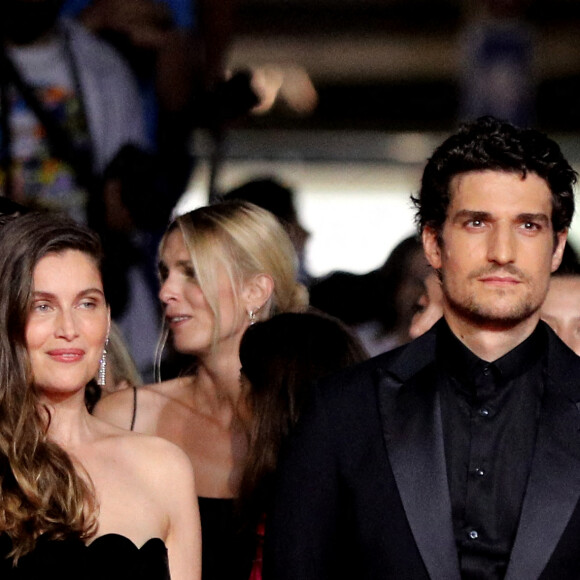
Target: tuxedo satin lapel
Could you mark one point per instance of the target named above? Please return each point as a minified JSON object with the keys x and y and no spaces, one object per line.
{"x":413,"y":434}
{"x":553,"y":486}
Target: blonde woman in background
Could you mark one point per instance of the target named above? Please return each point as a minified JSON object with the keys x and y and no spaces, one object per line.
{"x":222,"y":267}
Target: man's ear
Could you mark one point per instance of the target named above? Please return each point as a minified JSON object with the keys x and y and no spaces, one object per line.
{"x":257,"y":291}
{"x":431,"y":247}
{"x":561,"y":238}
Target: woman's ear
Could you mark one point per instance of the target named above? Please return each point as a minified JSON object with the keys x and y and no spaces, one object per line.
{"x":257,"y":291}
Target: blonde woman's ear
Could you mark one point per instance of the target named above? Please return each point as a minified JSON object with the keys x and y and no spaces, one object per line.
{"x":258,"y":291}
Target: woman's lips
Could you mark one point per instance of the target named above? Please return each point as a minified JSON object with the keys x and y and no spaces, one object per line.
{"x":66,"y":355}
{"x":177,"y":319}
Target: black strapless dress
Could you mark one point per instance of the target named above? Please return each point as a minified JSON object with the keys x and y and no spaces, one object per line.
{"x":108,"y":557}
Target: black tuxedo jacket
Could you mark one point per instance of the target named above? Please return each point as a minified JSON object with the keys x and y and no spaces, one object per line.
{"x":362,"y":486}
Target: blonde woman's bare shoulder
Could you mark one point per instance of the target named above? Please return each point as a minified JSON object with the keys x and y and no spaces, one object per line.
{"x":136,"y":408}
{"x":170,"y":389}
{"x":117,"y":408}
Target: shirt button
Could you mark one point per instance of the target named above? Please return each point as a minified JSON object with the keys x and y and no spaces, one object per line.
{"x":483,"y":412}
{"x":473,"y":535}
{"x":479,"y":471}
{"x":486,"y":371}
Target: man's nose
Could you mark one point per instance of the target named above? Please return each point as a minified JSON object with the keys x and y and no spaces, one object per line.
{"x":501,"y":245}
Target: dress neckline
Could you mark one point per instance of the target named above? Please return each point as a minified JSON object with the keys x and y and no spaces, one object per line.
{"x":112,"y":536}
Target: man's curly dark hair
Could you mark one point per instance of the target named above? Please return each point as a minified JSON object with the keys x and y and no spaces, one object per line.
{"x":490,"y":144}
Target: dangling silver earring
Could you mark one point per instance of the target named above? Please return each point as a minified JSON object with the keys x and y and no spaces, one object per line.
{"x":252,"y":315}
{"x":102,"y":376}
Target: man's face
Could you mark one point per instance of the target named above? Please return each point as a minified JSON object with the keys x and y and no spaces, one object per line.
{"x":496,"y":251}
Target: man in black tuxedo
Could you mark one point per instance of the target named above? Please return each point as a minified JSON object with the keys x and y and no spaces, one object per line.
{"x":456,"y":456}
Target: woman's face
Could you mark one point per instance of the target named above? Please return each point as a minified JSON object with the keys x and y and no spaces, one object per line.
{"x":68,"y":322}
{"x":187,"y":311}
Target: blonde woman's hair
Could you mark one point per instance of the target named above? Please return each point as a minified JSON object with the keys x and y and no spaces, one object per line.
{"x":245,"y":240}
{"x":41,"y":491}
{"x":120,"y":361}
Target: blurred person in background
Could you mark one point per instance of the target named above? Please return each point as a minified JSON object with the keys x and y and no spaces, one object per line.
{"x":278,"y":198}
{"x":73,"y":139}
{"x":179,"y":50}
{"x":561,"y":308}
{"x":429,"y":308}
{"x":378,"y":305}
{"x":497,"y":46}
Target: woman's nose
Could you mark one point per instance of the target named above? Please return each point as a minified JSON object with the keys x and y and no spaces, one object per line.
{"x":66,"y":327}
{"x":167,"y":292}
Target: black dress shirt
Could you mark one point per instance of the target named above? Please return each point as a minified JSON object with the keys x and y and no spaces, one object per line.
{"x":490,"y":415}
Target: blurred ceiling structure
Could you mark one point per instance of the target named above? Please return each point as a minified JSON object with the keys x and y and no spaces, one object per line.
{"x":395,"y":65}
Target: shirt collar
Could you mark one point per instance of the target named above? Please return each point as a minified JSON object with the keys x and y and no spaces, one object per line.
{"x":462,"y":363}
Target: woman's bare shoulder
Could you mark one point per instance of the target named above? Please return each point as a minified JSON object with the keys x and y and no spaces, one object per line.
{"x":146,"y":455}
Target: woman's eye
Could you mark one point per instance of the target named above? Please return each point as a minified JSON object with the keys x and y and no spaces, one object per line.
{"x":163,"y":272}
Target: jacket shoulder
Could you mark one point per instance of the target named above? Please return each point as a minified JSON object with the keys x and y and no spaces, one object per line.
{"x":401,"y":363}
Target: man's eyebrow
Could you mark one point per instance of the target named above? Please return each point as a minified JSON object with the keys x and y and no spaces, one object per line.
{"x":472,"y":214}
{"x":484,"y":215}
{"x":534,"y":217}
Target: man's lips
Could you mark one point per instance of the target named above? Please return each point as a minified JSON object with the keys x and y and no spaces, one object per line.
{"x":500,"y":280}
{"x":66,"y":354}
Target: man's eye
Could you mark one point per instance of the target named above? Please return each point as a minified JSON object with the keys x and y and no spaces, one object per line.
{"x":531,"y":226}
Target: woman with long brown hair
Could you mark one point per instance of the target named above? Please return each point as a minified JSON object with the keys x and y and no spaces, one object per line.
{"x":80,"y":498}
